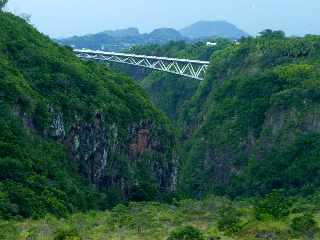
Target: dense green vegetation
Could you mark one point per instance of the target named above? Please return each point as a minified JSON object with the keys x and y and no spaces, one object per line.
{"x":77,"y":137}
{"x":35,"y":174}
{"x":210,"y":218}
{"x":54,"y":108}
{"x":181,"y":49}
{"x":36,"y":177}
{"x":252,"y":126}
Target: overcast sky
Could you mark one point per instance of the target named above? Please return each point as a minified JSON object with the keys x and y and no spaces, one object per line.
{"x":61,"y":18}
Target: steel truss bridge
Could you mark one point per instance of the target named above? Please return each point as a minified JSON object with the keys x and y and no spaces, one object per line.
{"x":184,"y":67}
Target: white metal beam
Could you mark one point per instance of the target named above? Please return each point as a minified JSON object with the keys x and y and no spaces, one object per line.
{"x":189,"y":68}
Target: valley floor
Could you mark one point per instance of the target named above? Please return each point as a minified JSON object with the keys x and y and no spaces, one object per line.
{"x":216,"y":218}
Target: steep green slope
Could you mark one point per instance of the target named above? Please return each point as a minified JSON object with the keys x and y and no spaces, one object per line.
{"x":67,"y":124}
{"x":253,"y":125}
{"x":169,"y":92}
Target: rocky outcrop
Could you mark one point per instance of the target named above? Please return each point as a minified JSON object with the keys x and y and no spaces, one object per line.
{"x":87,"y":146}
{"x":57,"y":128}
{"x":100,"y":153}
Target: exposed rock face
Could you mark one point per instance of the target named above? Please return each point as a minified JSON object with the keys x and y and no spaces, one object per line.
{"x":140,"y":139}
{"x":283,"y":127}
{"x":141,"y":142}
{"x":57,"y":125}
{"x":96,"y":149}
{"x":87,"y":145}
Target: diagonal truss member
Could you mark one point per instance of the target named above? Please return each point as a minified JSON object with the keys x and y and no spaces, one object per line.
{"x":189,"y":68}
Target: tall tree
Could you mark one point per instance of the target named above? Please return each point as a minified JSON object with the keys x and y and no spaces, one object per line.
{"x":3,"y":3}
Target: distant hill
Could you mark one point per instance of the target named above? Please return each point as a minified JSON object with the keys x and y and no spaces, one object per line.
{"x":122,"y":39}
{"x":163,"y":35}
{"x":127,"y":32}
{"x":207,"y":29}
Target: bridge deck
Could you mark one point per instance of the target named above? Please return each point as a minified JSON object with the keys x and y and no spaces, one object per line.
{"x":185,"y":67}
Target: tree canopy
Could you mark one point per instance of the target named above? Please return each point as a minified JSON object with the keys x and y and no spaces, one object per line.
{"x":3,"y":3}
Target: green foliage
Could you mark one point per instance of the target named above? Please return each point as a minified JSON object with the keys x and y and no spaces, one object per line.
{"x":120,"y":215}
{"x":275,"y":204}
{"x":40,"y":80}
{"x":181,"y":49}
{"x":245,"y":129}
{"x":32,"y":183}
{"x":295,"y":167}
{"x":153,"y":220}
{"x":67,"y":234}
{"x":229,"y":219}
{"x":186,"y":233}
{"x":170,"y":92}
{"x":143,"y":192}
{"x":3,"y":3}
{"x":304,"y":225}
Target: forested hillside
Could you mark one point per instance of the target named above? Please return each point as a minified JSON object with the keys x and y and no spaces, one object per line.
{"x":235,"y":156}
{"x":74,"y":135}
{"x":253,"y":125}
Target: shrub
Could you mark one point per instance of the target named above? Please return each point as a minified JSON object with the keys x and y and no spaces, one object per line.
{"x":67,"y":234}
{"x":229,"y":219}
{"x":304,"y":225}
{"x":120,"y":216}
{"x":143,"y":192}
{"x":8,"y":231}
{"x":186,"y":233}
{"x":274,"y":204}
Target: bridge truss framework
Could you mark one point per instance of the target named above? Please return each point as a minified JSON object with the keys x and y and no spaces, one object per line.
{"x":189,"y":68}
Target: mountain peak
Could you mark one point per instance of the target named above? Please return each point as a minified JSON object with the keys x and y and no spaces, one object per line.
{"x":206,"y":29}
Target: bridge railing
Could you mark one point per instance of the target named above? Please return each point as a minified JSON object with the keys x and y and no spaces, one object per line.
{"x":189,"y":68}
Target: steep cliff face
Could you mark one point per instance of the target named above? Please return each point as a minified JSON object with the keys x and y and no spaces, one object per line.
{"x":253,"y":124}
{"x":103,"y":125}
{"x":96,"y":147}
